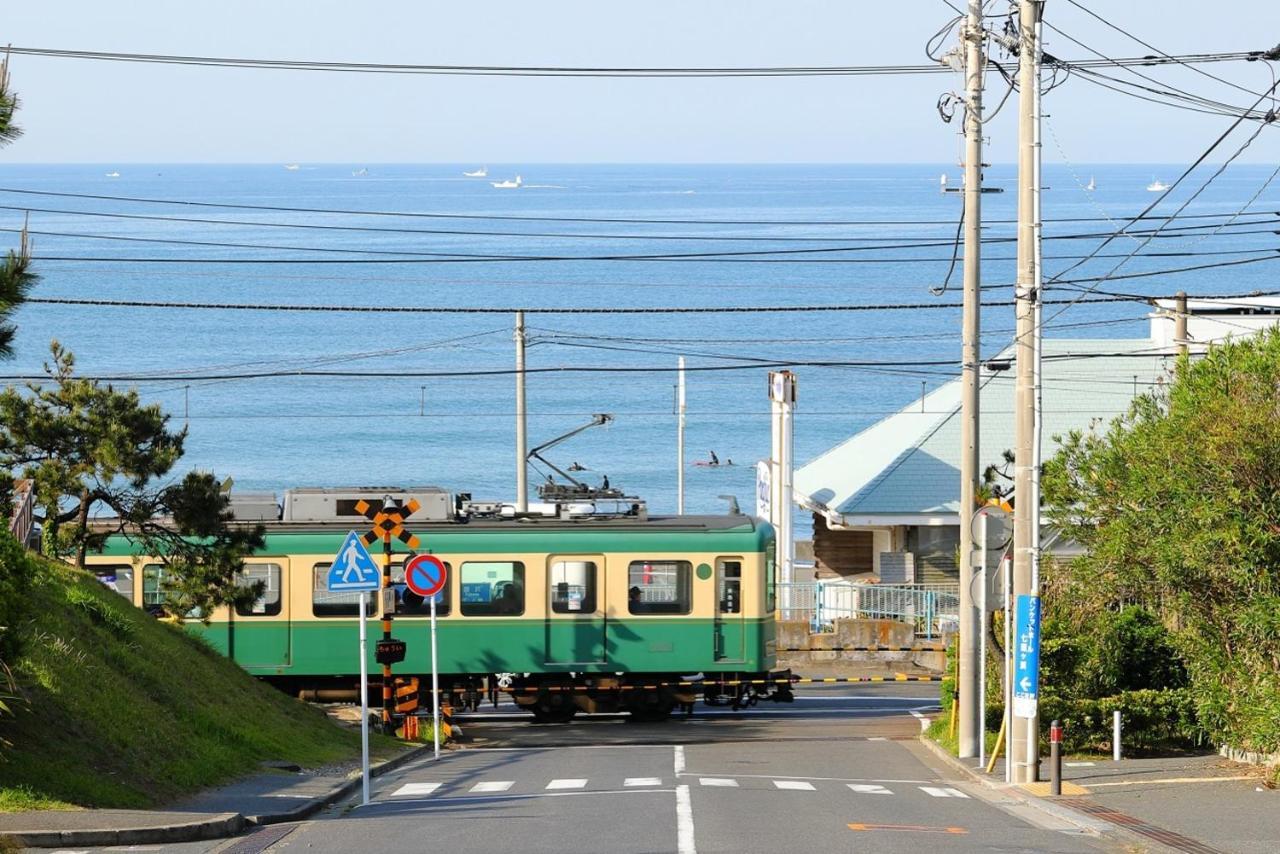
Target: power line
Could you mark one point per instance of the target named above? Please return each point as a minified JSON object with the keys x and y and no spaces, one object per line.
{"x":564,"y":71}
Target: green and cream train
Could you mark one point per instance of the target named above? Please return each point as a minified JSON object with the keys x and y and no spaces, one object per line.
{"x":600,"y":612}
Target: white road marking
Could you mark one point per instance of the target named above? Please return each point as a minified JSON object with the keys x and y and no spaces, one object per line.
{"x":642,"y":781}
{"x":833,"y":779}
{"x":684,"y":822}
{"x":878,"y":738}
{"x":718,"y":781}
{"x":415,"y":789}
{"x":679,"y":760}
{"x":793,"y":785}
{"x":1079,"y":764}
{"x":577,"y":783}
{"x":869,"y":789}
{"x":493,"y":786}
{"x":942,"y":792}
{"x":474,"y":799}
{"x":924,"y":722}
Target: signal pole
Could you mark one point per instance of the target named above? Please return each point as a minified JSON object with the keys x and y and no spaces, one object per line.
{"x":1024,"y":736}
{"x":522,"y":441}
{"x":970,"y":643}
{"x":680,"y":419}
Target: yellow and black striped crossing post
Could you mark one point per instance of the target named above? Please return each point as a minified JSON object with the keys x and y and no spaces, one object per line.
{"x":387,"y":521}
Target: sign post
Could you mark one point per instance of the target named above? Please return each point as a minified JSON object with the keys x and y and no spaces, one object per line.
{"x":353,"y":571}
{"x":426,"y":576}
{"x":1026,"y":669}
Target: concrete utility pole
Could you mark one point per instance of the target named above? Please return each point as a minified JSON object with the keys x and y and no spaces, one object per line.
{"x":522,"y":440}
{"x":1024,"y":736}
{"x":782,"y":401}
{"x":1180,"y":322}
{"x":970,"y":643}
{"x":680,"y":410}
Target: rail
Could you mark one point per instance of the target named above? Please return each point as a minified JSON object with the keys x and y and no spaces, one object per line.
{"x":934,"y":609}
{"x":22,"y":519}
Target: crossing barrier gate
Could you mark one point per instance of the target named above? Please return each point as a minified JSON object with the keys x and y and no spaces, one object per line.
{"x":406,"y":695}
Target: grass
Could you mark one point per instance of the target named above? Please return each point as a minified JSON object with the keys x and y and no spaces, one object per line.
{"x":939,"y":731}
{"x":124,"y":711}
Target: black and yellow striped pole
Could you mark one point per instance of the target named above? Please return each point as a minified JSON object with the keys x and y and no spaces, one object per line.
{"x":387,"y":614}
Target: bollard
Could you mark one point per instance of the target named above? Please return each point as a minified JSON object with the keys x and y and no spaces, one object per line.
{"x":1055,"y":758}
{"x":1115,"y":736}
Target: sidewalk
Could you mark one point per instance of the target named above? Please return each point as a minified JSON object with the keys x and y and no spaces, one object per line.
{"x":1198,"y":803}
{"x":269,"y":797}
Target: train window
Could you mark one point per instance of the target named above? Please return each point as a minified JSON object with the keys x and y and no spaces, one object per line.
{"x":118,"y":578}
{"x":410,"y":604}
{"x":770,"y":582}
{"x":492,"y":589}
{"x":659,"y":587}
{"x":268,"y":604}
{"x":326,"y":604}
{"x":573,"y":586}
{"x":154,"y":576}
{"x":728,"y":586}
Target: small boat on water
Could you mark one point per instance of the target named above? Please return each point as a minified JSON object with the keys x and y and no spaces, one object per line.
{"x":482,"y":172}
{"x":1092,"y":185}
{"x":942,"y":182}
{"x":292,"y":167}
{"x":1157,"y":186}
{"x":508,"y":185}
{"x":359,"y":173}
{"x":113,"y":174}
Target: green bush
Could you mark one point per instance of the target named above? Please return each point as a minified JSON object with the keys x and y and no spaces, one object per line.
{"x":16,"y":570}
{"x":1151,"y":720}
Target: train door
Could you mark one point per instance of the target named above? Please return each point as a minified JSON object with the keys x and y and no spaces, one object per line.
{"x":575,"y":622}
{"x":729,"y":619}
{"x":258,"y":633}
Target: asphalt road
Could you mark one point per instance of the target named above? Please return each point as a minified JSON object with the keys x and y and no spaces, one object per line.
{"x":839,"y":770}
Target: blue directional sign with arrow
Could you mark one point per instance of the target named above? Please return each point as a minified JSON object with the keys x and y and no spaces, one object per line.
{"x":1026,"y":657}
{"x":353,"y":567}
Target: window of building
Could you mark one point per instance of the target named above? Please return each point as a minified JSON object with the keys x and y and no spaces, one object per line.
{"x":410,"y":604}
{"x":118,"y":578}
{"x":269,"y":603}
{"x":659,"y":587}
{"x":337,"y":604}
{"x":492,"y":589}
{"x":573,"y":587}
{"x":729,"y":586}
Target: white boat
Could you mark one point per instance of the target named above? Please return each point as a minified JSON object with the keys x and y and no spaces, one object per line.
{"x":508,"y":185}
{"x":1092,"y":185}
{"x":113,"y":174}
{"x":292,"y":167}
{"x":359,"y":173}
{"x":1157,"y":186}
{"x":482,"y":172}
{"x":942,"y":182}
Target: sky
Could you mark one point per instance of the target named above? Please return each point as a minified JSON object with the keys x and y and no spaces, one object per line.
{"x":98,"y":112}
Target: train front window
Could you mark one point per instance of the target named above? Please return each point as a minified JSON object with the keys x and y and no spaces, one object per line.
{"x":573,"y":587}
{"x":659,"y":587}
{"x":492,"y":589}
{"x":327,"y":604}
{"x":269,"y":603}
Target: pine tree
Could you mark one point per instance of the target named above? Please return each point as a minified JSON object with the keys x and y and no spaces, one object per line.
{"x":16,"y":278}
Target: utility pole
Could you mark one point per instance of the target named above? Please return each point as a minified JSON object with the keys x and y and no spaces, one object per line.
{"x":1024,"y":736}
{"x":970,"y":643}
{"x":522,"y":440}
{"x":680,"y":418}
{"x":1180,"y":322}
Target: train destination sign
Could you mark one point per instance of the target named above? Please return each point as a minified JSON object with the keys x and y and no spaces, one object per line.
{"x":425,"y":575}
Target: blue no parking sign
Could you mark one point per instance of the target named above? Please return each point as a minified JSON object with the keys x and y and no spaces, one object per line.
{"x":425,"y":575}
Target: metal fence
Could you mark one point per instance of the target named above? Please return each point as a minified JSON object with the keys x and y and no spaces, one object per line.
{"x":931,"y":608}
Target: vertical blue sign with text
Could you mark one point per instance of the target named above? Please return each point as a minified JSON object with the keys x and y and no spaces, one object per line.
{"x":1026,"y":657}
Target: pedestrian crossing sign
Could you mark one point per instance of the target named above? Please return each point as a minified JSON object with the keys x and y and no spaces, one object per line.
{"x":353,"y":567}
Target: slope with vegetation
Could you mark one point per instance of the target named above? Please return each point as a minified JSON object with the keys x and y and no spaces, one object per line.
{"x":119,"y":710}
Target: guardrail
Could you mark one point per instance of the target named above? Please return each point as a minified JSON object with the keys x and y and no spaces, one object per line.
{"x":24,"y":507}
{"x":932,"y":608}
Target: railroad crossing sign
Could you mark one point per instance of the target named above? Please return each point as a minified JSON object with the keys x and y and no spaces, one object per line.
{"x":425,"y":575}
{"x":353,"y":567}
{"x":389,"y":522}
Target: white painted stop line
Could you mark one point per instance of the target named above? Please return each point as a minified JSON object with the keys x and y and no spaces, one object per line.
{"x":794,"y":785}
{"x":493,"y":786}
{"x":642,"y":781}
{"x":415,"y":789}
{"x":718,"y":781}
{"x":869,"y":789}
{"x":567,"y":784}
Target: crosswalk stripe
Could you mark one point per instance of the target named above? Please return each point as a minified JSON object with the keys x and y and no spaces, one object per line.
{"x":415,"y":789}
{"x":942,"y":792}
{"x":794,"y":785}
{"x":718,"y":781}
{"x":642,"y":781}
{"x":567,"y":784}
{"x":877,"y":738}
{"x":869,"y":789}
{"x":493,"y":786}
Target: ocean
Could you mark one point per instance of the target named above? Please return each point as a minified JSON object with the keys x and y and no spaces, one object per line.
{"x":456,"y":428}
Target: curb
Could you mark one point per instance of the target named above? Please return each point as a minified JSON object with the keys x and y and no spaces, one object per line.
{"x":1080,"y":820}
{"x":213,"y":827}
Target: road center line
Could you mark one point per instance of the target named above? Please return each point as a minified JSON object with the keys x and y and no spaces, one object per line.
{"x":684,"y":820}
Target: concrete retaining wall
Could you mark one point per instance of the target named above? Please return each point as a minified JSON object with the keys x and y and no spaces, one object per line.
{"x":821,"y":646}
